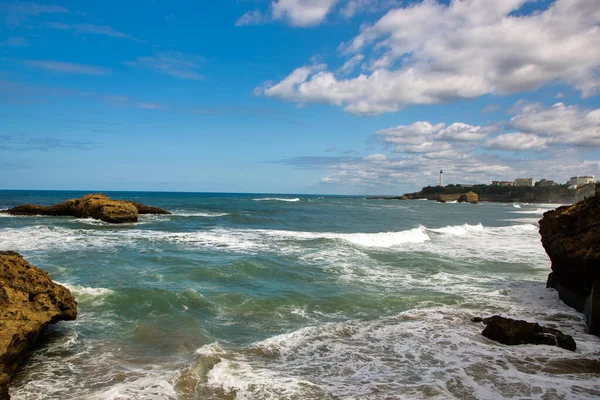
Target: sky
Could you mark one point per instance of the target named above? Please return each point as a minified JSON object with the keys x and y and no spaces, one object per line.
{"x":296,"y":96}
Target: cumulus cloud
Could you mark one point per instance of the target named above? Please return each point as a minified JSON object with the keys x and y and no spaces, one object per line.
{"x":172,"y":63}
{"x":302,"y":12}
{"x":307,"y":13}
{"x":463,"y":50}
{"x":552,"y":136}
{"x":517,"y":141}
{"x":559,"y":124}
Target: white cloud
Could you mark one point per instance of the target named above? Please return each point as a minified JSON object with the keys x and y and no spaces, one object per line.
{"x":253,"y":17}
{"x":172,"y":63}
{"x":66,"y":67}
{"x":307,"y":13}
{"x":517,"y":141}
{"x":463,"y":132}
{"x":559,"y":124}
{"x":465,"y":50}
{"x":354,"y":7}
{"x":15,"y":13}
{"x":91,"y":30}
{"x":351,"y":64}
{"x":302,"y":12}
{"x":376,"y":157}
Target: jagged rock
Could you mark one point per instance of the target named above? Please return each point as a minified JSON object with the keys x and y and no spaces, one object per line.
{"x":513,"y":332}
{"x":97,"y":206}
{"x":29,"y":301}
{"x":469,"y":197}
{"x":571,"y":237}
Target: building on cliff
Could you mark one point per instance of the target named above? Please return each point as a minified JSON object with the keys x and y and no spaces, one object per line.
{"x":525,"y":182}
{"x":503,"y":183}
{"x":582,"y":180}
{"x":546,"y":182}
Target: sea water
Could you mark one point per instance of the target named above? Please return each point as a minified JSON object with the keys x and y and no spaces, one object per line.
{"x":249,"y":296}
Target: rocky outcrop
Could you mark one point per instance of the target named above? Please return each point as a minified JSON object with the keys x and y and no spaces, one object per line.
{"x":29,"y":301}
{"x":469,"y":197}
{"x":97,"y":206}
{"x":571,"y":237}
{"x":513,"y":332}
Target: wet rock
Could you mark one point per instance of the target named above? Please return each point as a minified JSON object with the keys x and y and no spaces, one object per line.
{"x":97,"y":206}
{"x":571,"y":237}
{"x":513,"y":332}
{"x":29,"y":301}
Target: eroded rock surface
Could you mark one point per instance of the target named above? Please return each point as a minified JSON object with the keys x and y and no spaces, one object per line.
{"x":97,"y":206}
{"x":571,"y":237}
{"x":29,"y":301}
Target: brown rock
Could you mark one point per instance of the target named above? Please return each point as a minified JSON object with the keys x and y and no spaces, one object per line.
{"x":571,"y":237}
{"x":513,"y":332}
{"x":97,"y":206}
{"x":469,"y":197}
{"x":29,"y":301}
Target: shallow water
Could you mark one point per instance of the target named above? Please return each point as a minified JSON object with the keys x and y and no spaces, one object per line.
{"x":246,"y":296}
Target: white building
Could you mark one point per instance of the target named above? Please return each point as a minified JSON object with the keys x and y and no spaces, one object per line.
{"x":524,"y":182}
{"x":582,"y":180}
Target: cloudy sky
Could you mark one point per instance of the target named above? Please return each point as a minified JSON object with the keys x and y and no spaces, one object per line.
{"x":296,"y":96}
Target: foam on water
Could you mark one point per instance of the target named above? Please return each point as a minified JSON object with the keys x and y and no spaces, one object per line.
{"x":277,"y":199}
{"x":422,"y":353}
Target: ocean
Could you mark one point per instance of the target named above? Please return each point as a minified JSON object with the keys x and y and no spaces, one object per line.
{"x":254,"y":296}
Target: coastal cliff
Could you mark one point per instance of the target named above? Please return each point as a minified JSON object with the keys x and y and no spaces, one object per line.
{"x":29,"y":301}
{"x":511,"y":194}
{"x":97,"y":206}
{"x":571,"y":237}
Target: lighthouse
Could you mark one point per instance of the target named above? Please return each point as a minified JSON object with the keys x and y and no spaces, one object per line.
{"x":441,"y":178}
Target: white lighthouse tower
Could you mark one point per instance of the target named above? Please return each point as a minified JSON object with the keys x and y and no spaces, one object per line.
{"x":441,"y":178}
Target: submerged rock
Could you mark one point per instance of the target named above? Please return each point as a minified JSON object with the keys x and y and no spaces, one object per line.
{"x":513,"y":332}
{"x":97,"y":206}
{"x":29,"y":301}
{"x":571,"y":237}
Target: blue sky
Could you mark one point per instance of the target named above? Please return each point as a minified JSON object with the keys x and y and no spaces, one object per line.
{"x":296,"y":96}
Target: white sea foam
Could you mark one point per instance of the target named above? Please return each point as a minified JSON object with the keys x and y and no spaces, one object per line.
{"x":515,"y":205}
{"x":422,"y":353}
{"x":535,"y":211}
{"x":459,"y":230}
{"x":205,"y":214}
{"x":277,"y":199}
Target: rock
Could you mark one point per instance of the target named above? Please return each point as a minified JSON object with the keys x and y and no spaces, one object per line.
{"x":29,"y":301}
{"x":469,"y":197}
{"x":513,"y":332}
{"x":97,"y":206}
{"x":571,"y":237}
{"x":144,"y":209}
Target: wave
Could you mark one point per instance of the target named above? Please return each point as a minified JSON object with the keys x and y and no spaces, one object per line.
{"x":277,"y":199}
{"x":539,"y":211}
{"x":206,"y":214}
{"x":515,"y":205}
{"x":422,"y":353}
{"x":459,"y":229}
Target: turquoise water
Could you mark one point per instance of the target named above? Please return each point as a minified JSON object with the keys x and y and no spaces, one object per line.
{"x":250,"y":296}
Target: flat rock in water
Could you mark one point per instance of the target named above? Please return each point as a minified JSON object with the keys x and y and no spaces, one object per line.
{"x":513,"y":332}
{"x":29,"y":301}
{"x":97,"y":206}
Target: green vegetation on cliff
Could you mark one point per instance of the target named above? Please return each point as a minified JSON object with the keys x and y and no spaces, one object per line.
{"x":525,"y":194}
